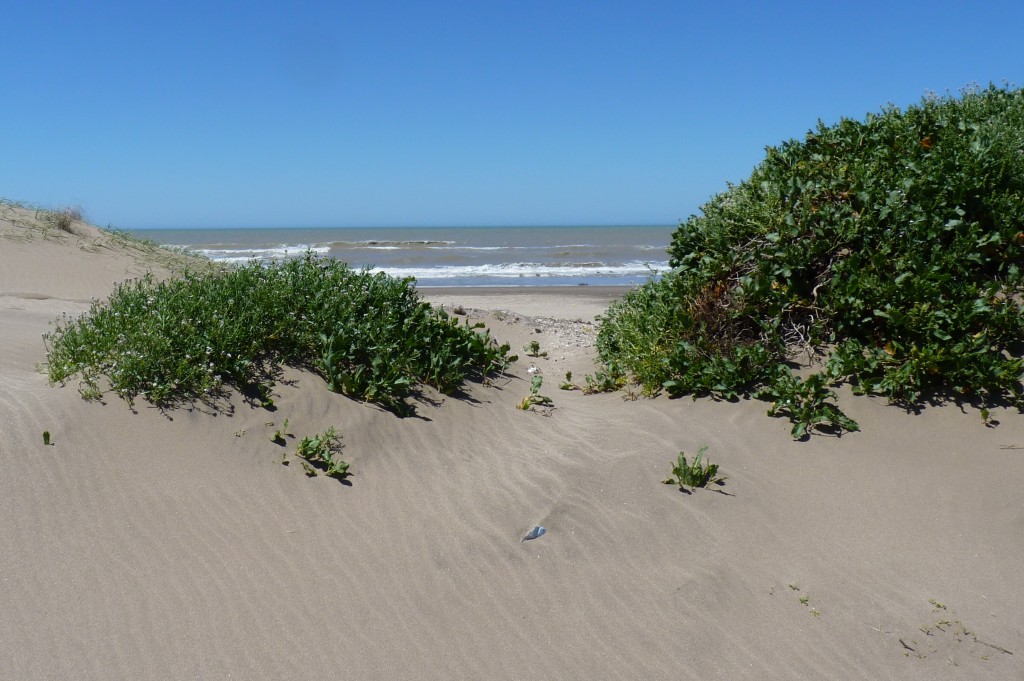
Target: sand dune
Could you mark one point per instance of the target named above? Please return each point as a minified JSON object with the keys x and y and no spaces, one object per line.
{"x":153,"y":545}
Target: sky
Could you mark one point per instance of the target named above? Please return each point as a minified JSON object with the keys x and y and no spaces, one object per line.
{"x":276,"y":114}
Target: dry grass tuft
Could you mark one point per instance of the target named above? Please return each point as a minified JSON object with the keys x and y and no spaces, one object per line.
{"x":63,"y":219}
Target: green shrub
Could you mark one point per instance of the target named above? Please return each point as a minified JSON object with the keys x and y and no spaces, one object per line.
{"x":697,"y":474}
{"x":892,"y":248}
{"x":188,"y":338}
{"x":322,"y":451}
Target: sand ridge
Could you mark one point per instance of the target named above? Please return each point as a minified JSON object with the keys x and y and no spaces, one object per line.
{"x":172,"y":545}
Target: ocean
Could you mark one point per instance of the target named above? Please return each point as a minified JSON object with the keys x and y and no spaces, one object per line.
{"x":452,"y":256}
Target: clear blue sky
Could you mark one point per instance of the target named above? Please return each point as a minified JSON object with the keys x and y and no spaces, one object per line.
{"x":210,"y":113}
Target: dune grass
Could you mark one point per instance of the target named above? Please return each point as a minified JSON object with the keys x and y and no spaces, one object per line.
{"x":30,"y":221}
{"x":892,"y":250}
{"x":193,"y":336}
{"x":63,"y":219}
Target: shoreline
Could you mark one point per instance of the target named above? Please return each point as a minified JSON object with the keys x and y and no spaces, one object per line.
{"x":583,"y":303}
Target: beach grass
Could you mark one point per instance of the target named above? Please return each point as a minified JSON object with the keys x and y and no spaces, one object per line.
{"x":192,"y":337}
{"x":68,"y":223}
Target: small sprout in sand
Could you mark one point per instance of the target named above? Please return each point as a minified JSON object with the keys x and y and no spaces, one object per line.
{"x":278,"y":437}
{"x":568,"y":384}
{"x":986,"y":417}
{"x":535,"y":398}
{"x":323,"y":449}
{"x":805,"y":600}
{"x":696,"y":474}
{"x":936,"y":605}
{"x":265,"y":396}
{"x":532,"y":349}
{"x":46,"y":437}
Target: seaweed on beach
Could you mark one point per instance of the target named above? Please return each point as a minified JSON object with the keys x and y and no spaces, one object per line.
{"x":888,"y":252}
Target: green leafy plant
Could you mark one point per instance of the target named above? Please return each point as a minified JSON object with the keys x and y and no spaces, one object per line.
{"x":986,"y":418}
{"x":195,"y":336}
{"x":532,"y":349}
{"x":890,"y":250}
{"x":806,"y":403}
{"x":279,"y":435}
{"x":46,"y":437}
{"x":264,"y":393}
{"x":323,"y":450}
{"x":696,"y":474}
{"x":535,"y":399}
{"x":605,"y":380}
{"x":567,"y":384}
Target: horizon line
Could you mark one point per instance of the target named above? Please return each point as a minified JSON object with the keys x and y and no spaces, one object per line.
{"x":433,"y":226}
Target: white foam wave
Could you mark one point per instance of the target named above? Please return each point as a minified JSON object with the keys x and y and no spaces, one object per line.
{"x":376,"y":243}
{"x":544,"y":247}
{"x":517,"y":270}
{"x":243,"y":255}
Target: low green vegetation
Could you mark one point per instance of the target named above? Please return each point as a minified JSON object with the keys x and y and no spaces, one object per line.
{"x":535,"y":399}
{"x":266,"y":396}
{"x":322,"y":451}
{"x":30,"y":221}
{"x":278,"y":438}
{"x":696,"y":474}
{"x":532,"y":349}
{"x":888,"y":252}
{"x":567,"y":384}
{"x":41,"y":219}
{"x":606,"y":380}
{"x":192,"y":337}
{"x":46,"y":438}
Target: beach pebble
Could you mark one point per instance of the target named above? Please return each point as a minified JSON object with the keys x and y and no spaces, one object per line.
{"x":537,"y":531}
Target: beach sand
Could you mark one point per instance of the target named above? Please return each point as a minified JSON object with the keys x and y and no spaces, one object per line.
{"x":174,"y":545}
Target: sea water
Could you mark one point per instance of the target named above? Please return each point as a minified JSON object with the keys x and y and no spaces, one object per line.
{"x":452,"y":256}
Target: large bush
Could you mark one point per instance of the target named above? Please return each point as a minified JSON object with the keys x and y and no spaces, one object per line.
{"x":893,"y":248}
{"x":368,"y":335}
